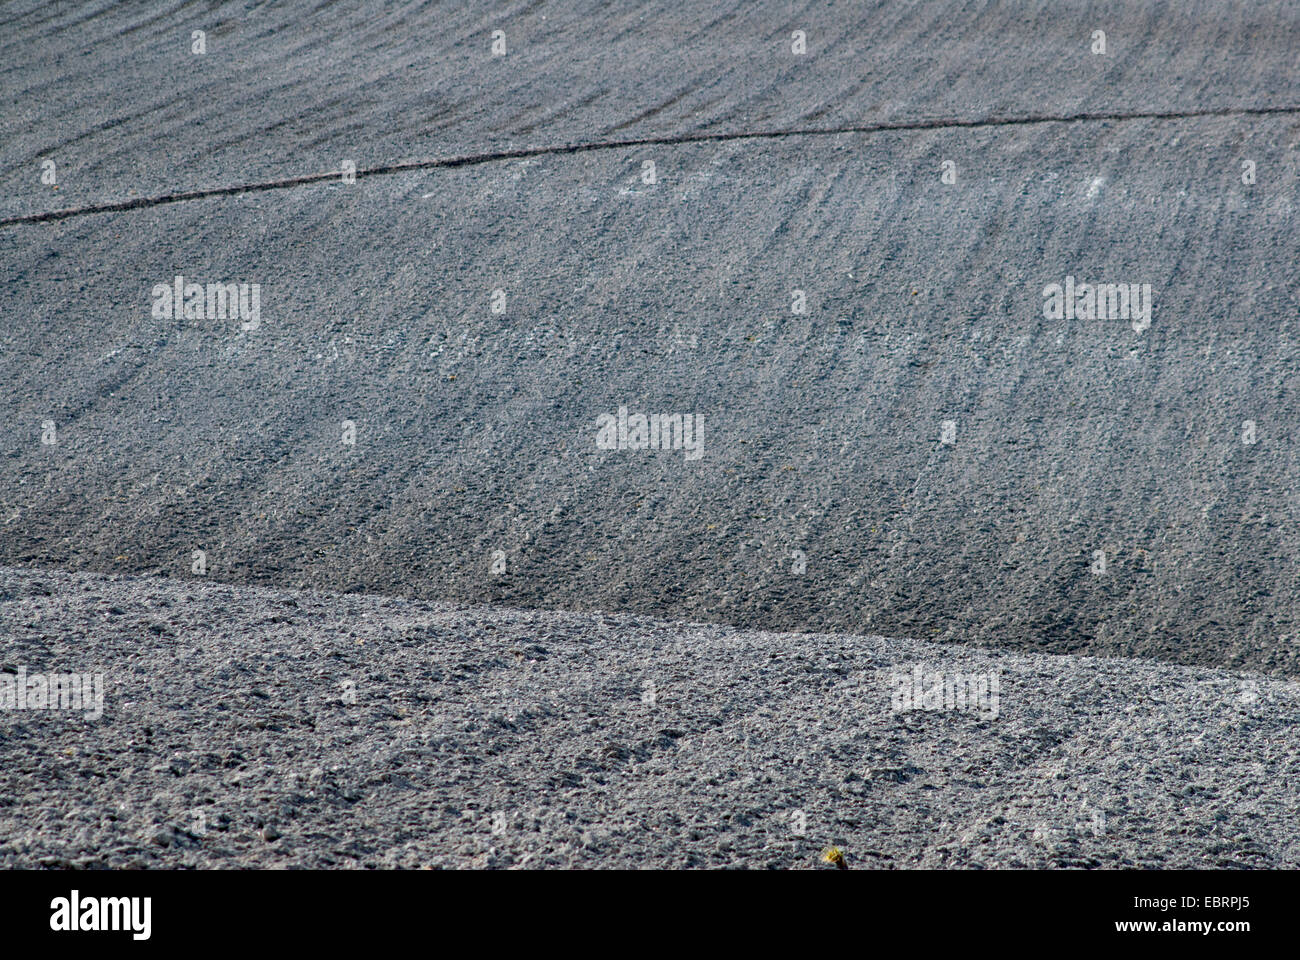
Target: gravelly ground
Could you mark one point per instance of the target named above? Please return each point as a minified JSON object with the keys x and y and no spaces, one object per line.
{"x":484,"y":737}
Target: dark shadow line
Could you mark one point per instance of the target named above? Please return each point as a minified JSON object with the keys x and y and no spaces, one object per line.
{"x":470,"y":160}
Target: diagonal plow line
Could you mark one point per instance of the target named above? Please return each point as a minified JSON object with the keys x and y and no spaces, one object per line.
{"x":471,"y":160}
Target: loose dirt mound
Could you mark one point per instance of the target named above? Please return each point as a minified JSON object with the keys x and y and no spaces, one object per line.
{"x":272,"y":728}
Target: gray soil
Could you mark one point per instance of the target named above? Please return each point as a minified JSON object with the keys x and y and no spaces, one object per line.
{"x":271,"y":728}
{"x":907,"y":447}
{"x":476,"y":430}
